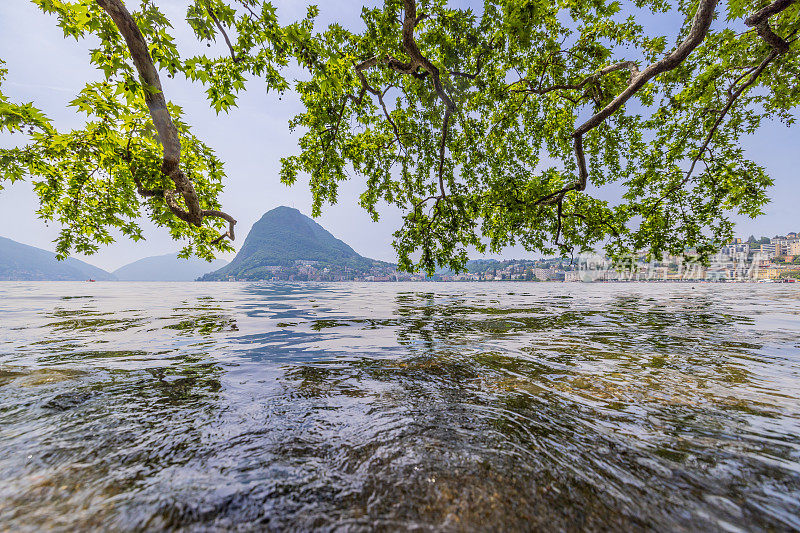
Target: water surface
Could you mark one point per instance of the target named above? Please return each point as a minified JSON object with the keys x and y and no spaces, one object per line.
{"x":491,"y":406}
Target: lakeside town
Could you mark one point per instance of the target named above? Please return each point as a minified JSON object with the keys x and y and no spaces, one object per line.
{"x":766,"y":260}
{"x":774,"y":259}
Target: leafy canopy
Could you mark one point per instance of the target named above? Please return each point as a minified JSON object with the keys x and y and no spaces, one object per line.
{"x":529,"y":81}
{"x":109,"y":173}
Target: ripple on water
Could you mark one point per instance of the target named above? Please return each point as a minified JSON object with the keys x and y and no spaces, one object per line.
{"x":397,"y":406}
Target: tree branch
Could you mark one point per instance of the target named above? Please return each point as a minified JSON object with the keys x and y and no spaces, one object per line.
{"x":418,"y":61}
{"x":630,"y":65}
{"x":231,"y":223}
{"x":410,"y":46}
{"x":732,"y":96}
{"x":478,"y":66}
{"x":367,"y":87}
{"x":699,"y":28}
{"x":760,"y":21}
{"x":224,"y":34}
{"x":766,"y":12}
{"x":167,"y":132}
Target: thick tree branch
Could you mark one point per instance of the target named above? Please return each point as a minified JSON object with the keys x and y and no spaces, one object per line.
{"x":760,"y":21}
{"x":167,"y":132}
{"x":699,"y":29}
{"x":231,"y":223}
{"x":697,"y":32}
{"x":766,"y":12}
{"x":779,"y":46}
{"x":410,"y":46}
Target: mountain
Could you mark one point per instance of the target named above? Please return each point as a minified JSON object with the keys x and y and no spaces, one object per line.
{"x":167,"y":268}
{"x":20,"y":262}
{"x":288,"y":242}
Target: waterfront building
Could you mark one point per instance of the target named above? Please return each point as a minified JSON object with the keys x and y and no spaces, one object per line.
{"x":768,"y":251}
{"x":736,"y":248}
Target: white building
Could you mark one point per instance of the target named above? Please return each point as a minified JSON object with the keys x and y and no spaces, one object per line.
{"x":735,"y":249}
{"x":768,"y":251}
{"x":783,"y":245}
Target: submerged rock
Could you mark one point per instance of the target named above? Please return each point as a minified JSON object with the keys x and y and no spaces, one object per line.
{"x":68,"y":400}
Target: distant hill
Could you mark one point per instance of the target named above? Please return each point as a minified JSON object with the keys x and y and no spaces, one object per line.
{"x":167,"y":267}
{"x":20,"y":262}
{"x":285,"y":237}
{"x":477,"y":266}
{"x":473,"y":266}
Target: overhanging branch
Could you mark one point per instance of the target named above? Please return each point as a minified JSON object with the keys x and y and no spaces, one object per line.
{"x":167,"y":132}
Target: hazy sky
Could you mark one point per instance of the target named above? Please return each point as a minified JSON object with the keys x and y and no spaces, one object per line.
{"x":49,"y":70}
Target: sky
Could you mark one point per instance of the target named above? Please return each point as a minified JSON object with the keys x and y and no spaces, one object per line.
{"x":48,"y":70}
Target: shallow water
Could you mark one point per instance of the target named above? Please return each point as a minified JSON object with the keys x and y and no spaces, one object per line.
{"x":493,"y":406}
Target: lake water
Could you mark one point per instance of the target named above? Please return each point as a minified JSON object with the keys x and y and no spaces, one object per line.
{"x":493,"y":406}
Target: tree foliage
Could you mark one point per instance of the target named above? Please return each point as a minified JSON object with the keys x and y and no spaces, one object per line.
{"x":491,"y":126}
{"x":499,"y":128}
{"x":134,"y":155}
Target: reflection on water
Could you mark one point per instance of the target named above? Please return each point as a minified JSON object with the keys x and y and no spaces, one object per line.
{"x":431,"y":406}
